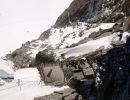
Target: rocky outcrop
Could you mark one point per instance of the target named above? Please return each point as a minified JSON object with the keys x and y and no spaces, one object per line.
{"x":20,"y":58}
{"x":89,"y":10}
{"x":44,"y":57}
{"x":67,"y":94}
{"x":45,"y":35}
{"x":114,"y":74}
{"x":76,"y":8}
{"x":109,"y":69}
{"x":112,"y":81}
{"x":112,"y":77}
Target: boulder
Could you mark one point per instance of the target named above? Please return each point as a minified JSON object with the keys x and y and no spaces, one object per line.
{"x":52,"y":74}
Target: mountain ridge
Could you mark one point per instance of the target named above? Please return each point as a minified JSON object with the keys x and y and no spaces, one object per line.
{"x":94,"y":31}
{"x":112,"y":11}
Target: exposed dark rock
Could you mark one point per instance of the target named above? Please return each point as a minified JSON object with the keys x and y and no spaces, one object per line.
{"x":20,"y":58}
{"x":45,"y":35}
{"x":76,"y":8}
{"x":115,"y":77}
{"x":91,"y":11}
{"x":67,"y":94}
{"x":44,"y":57}
{"x":112,"y":75}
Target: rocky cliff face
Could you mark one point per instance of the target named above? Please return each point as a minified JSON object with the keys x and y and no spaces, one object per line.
{"x":91,"y":11}
{"x":76,"y":8}
{"x":97,"y":30}
{"x":112,"y":77}
{"x":114,"y":74}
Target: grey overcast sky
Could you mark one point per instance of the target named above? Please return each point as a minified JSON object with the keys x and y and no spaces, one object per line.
{"x":22,"y":20}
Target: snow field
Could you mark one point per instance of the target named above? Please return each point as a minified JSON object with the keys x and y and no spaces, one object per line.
{"x":25,"y":86}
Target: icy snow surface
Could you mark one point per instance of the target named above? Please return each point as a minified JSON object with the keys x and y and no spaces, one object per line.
{"x":93,"y":45}
{"x":27,"y":74}
{"x":67,"y":36}
{"x":86,"y":47}
{"x":26,"y":86}
{"x":125,"y":36}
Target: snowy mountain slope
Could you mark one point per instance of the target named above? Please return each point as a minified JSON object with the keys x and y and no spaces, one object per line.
{"x":77,"y":38}
{"x":25,"y":20}
{"x":88,"y":47}
{"x":22,"y":21}
{"x":58,"y":38}
{"x":103,"y":43}
{"x":75,"y":32}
